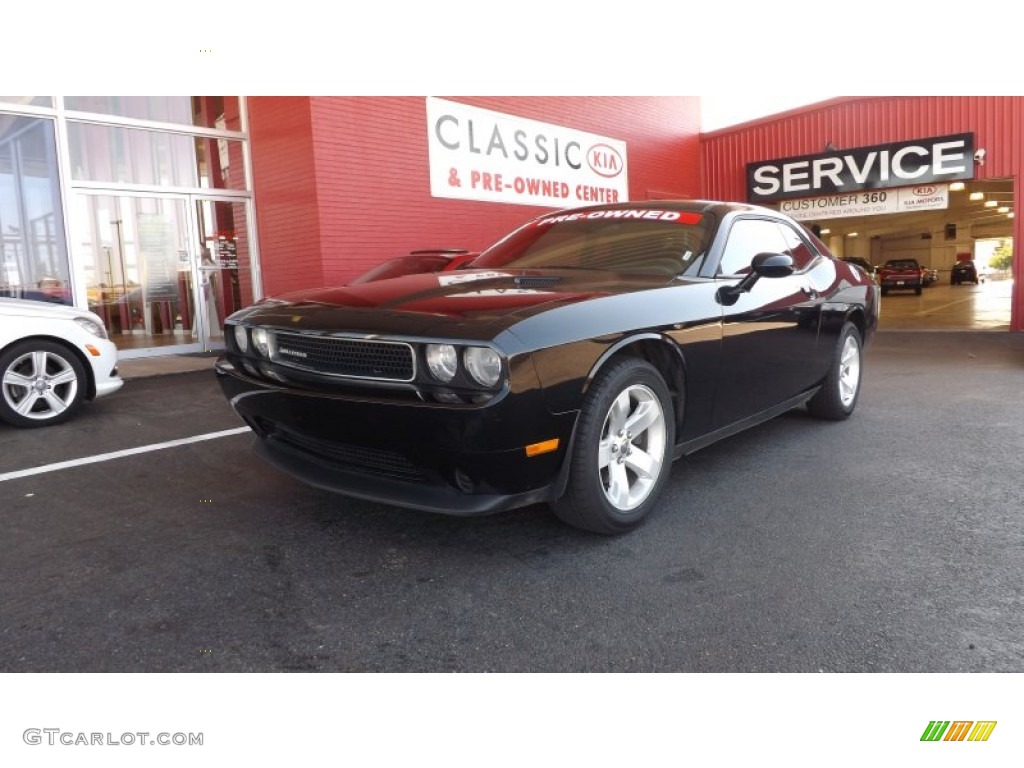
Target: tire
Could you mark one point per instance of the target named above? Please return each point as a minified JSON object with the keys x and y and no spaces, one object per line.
{"x":41,"y":383}
{"x":840,"y":390}
{"x":918,"y":290}
{"x":885,"y":291}
{"x":615,"y":476}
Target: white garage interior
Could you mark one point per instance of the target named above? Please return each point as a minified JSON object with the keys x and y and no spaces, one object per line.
{"x":977,"y":224}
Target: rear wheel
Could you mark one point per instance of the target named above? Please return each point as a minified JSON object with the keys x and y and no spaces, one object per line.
{"x":838,"y":394}
{"x":622,"y":453}
{"x":41,"y":383}
{"x":918,"y":289}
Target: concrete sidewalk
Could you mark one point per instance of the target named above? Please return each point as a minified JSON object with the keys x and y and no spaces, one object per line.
{"x":144,"y":367}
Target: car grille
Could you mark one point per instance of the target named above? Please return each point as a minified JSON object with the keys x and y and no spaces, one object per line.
{"x":355,"y":458}
{"x":355,"y":358}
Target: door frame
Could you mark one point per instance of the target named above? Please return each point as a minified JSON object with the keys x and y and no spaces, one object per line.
{"x":215,"y":196}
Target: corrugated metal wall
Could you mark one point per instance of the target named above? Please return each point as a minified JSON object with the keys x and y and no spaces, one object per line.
{"x":997,"y":123}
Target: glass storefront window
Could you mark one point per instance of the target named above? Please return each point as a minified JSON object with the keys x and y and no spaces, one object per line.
{"x":34,"y":101}
{"x":204,"y":111}
{"x":33,"y":253}
{"x":220,"y":163}
{"x":131,"y":156}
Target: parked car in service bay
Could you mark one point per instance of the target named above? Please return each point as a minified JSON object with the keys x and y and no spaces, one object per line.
{"x":427,"y":260}
{"x":901,"y":275}
{"x":965,"y":271}
{"x":569,"y":363}
{"x":52,"y":359}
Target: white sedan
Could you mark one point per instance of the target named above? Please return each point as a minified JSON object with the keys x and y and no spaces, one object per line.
{"x":52,"y":358}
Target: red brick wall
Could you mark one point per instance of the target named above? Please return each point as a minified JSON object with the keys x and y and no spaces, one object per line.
{"x":355,"y":170}
{"x":285,"y":193}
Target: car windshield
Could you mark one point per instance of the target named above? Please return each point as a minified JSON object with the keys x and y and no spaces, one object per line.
{"x":902,"y":264}
{"x":637,"y":241}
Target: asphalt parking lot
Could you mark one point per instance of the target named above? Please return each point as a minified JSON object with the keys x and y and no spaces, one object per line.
{"x":890,"y":542}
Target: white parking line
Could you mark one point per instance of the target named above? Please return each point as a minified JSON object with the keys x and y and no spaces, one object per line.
{"x":119,"y":454}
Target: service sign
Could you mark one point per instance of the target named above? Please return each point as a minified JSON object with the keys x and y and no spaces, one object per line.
{"x":924,"y":197}
{"x":936,"y":160}
{"x":477,"y":154}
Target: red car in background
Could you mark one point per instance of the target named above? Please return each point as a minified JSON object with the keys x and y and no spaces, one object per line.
{"x":901,"y":275}
{"x":418,"y":262}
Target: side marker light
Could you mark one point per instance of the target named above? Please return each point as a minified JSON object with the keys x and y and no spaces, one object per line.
{"x":547,"y":446}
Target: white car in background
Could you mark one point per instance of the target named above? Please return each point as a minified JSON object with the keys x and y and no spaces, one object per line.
{"x":52,"y":358}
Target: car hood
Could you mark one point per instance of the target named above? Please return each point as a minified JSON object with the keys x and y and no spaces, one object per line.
{"x":472,"y":304}
{"x":42,"y":310}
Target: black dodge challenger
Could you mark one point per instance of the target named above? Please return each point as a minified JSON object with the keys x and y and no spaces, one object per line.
{"x":569,"y":363}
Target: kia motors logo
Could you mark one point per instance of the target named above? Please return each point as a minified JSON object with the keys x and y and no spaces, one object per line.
{"x":925,"y":191}
{"x":605,"y":160}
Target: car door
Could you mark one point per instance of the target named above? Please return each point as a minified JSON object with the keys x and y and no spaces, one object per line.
{"x":770,"y":332}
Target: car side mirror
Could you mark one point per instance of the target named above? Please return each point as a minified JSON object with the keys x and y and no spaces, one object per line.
{"x":772,"y":265}
{"x":762,"y":265}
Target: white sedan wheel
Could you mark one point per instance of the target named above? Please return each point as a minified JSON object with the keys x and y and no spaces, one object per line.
{"x":40,"y":383}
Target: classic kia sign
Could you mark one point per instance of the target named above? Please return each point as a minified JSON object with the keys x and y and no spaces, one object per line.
{"x":477,"y":154}
{"x":884,"y":166}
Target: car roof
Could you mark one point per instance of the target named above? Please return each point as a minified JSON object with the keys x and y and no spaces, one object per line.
{"x":697,"y":206}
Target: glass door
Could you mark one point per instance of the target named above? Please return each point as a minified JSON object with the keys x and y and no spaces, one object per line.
{"x":139,"y":269}
{"x":163,"y":271}
{"x":225,"y":266}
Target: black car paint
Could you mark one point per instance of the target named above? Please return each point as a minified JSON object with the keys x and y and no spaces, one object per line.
{"x":555,"y":338}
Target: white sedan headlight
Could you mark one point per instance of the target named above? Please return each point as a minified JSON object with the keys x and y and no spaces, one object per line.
{"x":96,"y":329}
{"x":483,"y":364}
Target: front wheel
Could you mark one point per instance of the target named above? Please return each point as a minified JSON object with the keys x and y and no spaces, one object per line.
{"x":622,"y":453}
{"x":41,"y":383}
{"x":838,"y":394}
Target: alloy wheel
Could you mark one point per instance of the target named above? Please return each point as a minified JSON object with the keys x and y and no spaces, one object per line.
{"x":39,"y":385}
{"x":849,"y":371}
{"x":630,"y":454}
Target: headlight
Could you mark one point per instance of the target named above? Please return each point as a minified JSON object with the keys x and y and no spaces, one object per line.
{"x":92,"y":327}
{"x":442,"y":361}
{"x":241,"y":338}
{"x":483,"y":364}
{"x":263,"y":340}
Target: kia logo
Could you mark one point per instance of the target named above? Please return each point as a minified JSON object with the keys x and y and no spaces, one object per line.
{"x":925,"y":191}
{"x":605,"y":161}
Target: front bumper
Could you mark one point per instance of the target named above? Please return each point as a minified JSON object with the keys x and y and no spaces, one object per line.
{"x":104,"y":367}
{"x":465,"y":460}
